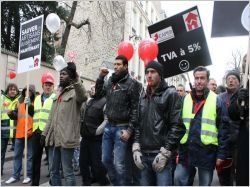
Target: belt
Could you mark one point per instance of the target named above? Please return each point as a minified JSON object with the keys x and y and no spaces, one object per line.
{"x":118,"y":124}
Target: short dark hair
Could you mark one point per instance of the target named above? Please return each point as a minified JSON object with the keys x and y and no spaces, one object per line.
{"x":11,"y":85}
{"x":202,"y":68}
{"x":123,"y":59}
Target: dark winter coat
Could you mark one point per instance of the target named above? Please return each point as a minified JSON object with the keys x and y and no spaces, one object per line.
{"x":122,"y":100}
{"x":160,"y":123}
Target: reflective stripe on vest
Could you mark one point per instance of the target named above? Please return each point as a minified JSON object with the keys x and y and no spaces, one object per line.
{"x":41,"y":114}
{"x":11,"y":105}
{"x":209,"y":131}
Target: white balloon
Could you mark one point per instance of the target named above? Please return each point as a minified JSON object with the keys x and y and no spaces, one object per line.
{"x":59,"y":63}
{"x":245,"y":17}
{"x":53,"y":23}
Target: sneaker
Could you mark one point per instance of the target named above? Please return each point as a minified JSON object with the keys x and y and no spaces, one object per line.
{"x":11,"y":180}
{"x":26,"y":180}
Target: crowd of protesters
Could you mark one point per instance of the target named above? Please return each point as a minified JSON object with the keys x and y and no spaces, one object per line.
{"x":127,"y":135}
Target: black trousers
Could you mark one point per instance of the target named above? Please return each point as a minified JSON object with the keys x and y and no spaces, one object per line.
{"x":37,"y":158}
{"x":90,"y":162}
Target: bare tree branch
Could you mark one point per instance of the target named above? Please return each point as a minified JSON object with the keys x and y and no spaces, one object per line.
{"x":78,"y":26}
{"x":235,"y":62}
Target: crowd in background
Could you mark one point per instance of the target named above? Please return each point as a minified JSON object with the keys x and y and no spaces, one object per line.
{"x":122,"y":134}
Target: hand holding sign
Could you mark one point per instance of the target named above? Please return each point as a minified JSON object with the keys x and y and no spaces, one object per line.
{"x":53,"y":23}
{"x":148,"y":50}
{"x":126,"y":49}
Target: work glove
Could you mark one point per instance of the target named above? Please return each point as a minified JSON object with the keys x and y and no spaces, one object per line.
{"x":137,"y":155}
{"x":27,"y":101}
{"x":243,"y":95}
{"x":223,"y":164}
{"x":161,"y":160}
{"x":42,"y":140}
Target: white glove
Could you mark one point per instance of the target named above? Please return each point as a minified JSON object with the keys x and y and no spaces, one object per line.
{"x":161,"y":160}
{"x":27,"y":101}
{"x":137,"y":155}
{"x":100,"y":129}
{"x":137,"y":159}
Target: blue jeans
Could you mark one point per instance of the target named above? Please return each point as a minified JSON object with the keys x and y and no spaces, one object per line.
{"x":116,"y":156}
{"x":149,"y":177}
{"x":58,"y":155}
{"x":183,"y":174}
{"x":76,"y":157}
{"x":18,"y":157}
{"x":4,"y":145}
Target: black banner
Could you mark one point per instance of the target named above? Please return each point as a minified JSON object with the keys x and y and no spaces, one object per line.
{"x":182,"y":43}
{"x":227,"y":18}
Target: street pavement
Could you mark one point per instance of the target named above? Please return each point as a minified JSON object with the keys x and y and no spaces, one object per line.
{"x":44,"y":180}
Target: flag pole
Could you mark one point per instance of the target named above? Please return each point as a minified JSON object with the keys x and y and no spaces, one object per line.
{"x":26,"y":128}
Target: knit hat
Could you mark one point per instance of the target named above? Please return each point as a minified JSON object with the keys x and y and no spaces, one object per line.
{"x":235,"y":73}
{"x":156,"y":66}
{"x":71,"y":70}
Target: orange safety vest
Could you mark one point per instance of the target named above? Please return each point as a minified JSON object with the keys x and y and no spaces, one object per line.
{"x":20,"y":128}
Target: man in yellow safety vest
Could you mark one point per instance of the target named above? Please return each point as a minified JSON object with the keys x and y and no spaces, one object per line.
{"x":205,"y":143}
{"x":42,"y":107}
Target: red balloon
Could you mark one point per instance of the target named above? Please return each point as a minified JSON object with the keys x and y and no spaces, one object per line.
{"x":12,"y":75}
{"x":126,"y":49}
{"x":148,"y":50}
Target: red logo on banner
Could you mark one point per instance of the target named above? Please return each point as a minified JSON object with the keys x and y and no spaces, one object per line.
{"x":36,"y":62}
{"x":156,"y":37}
{"x":192,"y":20}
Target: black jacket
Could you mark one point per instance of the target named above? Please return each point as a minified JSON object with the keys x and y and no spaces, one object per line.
{"x":242,"y":162}
{"x":92,"y":117}
{"x":122,"y":100}
{"x":160,"y":123}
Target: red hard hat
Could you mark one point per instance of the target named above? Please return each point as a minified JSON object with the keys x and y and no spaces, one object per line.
{"x":47,"y":77}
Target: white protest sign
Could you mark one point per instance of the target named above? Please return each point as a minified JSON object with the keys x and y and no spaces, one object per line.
{"x":30,"y":45}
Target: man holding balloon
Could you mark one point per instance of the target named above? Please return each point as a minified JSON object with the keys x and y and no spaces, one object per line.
{"x":122,"y":94}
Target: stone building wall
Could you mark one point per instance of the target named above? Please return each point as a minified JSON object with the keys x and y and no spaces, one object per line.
{"x":98,"y":43}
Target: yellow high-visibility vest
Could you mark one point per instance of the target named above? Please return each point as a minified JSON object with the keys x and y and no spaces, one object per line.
{"x":7,"y":105}
{"x":209,"y":131}
{"x":41,"y":113}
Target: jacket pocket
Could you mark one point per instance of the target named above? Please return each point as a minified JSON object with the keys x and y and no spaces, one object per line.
{"x":68,"y":133}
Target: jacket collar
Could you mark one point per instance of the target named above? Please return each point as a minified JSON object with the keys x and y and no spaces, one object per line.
{"x":158,"y":91}
{"x":204,"y":96}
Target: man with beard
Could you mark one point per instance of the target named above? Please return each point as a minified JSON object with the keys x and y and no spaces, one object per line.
{"x":205,"y":143}
{"x":122,"y":94}
{"x":159,"y":131}
{"x":62,"y":131}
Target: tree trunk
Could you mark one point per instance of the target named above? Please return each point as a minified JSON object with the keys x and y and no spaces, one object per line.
{"x":8,"y":33}
{"x":68,"y":27}
{"x":16,"y":20}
